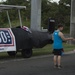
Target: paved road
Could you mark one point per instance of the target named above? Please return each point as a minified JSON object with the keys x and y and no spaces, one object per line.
{"x":37,"y":66}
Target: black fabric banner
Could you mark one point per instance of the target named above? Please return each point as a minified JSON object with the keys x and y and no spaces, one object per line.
{"x":40,"y":39}
{"x":27,"y":40}
{"x":23,"y":38}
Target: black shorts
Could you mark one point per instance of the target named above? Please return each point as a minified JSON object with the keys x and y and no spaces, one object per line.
{"x":57,"y":51}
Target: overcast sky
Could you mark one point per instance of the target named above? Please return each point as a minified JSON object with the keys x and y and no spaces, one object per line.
{"x":55,"y":0}
{"x":52,"y":0}
{"x":2,"y":0}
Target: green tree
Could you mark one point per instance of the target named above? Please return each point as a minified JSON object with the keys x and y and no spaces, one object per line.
{"x":60,"y":12}
{"x":48,"y":10}
{"x":65,"y":1}
{"x":64,"y":13}
{"x":25,"y":13}
{"x":26,"y":3}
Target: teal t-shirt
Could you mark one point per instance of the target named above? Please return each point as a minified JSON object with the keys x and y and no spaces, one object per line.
{"x":57,"y":44}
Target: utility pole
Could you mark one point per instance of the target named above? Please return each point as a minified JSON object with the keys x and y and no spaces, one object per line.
{"x":36,"y":15}
{"x":72,"y":20}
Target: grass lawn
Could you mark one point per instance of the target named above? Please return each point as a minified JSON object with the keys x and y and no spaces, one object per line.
{"x":48,"y":49}
{"x":16,"y":23}
{"x":41,"y":51}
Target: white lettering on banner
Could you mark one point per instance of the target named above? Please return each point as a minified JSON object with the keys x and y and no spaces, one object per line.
{"x":1,"y":48}
{"x":3,"y":37}
{"x":7,"y":40}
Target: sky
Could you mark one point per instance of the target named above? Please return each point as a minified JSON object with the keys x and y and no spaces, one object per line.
{"x":2,"y":0}
{"x":55,"y":1}
{"x":52,"y":0}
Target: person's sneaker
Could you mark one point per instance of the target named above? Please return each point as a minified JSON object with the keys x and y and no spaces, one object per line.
{"x":55,"y":66}
{"x":59,"y":67}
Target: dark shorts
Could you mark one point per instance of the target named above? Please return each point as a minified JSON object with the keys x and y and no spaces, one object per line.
{"x":57,"y":51}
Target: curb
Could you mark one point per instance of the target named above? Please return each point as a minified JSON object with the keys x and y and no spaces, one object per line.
{"x":70,"y":52}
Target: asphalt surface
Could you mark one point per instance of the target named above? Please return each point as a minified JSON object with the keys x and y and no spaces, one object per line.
{"x":40,"y":65}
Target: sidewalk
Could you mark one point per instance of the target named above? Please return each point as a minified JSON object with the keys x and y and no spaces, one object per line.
{"x":70,"y":52}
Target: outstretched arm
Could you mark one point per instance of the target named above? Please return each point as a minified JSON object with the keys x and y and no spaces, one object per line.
{"x":63,"y":38}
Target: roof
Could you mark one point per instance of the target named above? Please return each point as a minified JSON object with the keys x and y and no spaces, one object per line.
{"x":6,"y":7}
